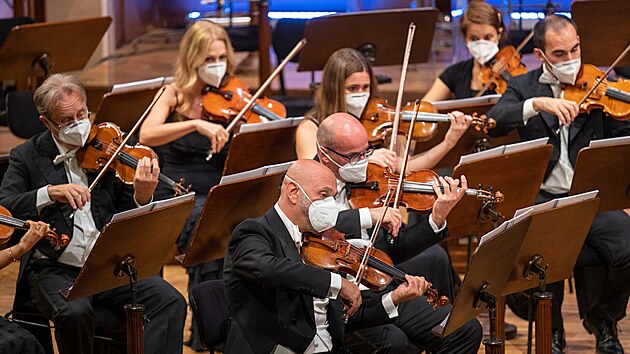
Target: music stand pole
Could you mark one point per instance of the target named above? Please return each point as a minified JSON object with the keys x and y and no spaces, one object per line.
{"x":493,"y":345}
{"x":536,"y":266}
{"x":134,"y":312}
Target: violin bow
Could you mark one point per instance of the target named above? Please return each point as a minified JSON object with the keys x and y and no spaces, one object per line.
{"x":517,"y":50}
{"x":403,"y":75}
{"x":124,"y":142}
{"x":262,"y":88}
{"x":605,"y":75}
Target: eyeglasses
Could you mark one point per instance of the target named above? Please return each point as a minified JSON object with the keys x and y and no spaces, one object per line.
{"x":354,"y":158}
{"x":70,"y":121}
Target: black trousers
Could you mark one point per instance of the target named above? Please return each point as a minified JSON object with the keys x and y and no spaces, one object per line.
{"x":76,"y":323}
{"x":416,"y":318}
{"x":607,"y":245}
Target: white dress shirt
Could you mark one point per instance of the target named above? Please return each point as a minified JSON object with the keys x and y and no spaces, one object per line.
{"x":85,"y":233}
{"x":561,"y":176}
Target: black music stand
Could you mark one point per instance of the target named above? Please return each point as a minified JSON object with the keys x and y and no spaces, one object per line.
{"x":549,"y":252}
{"x":379,"y":35}
{"x":41,"y":49}
{"x":121,"y":251}
{"x":605,"y":35}
{"x":226,"y":206}
{"x":604,"y":168}
{"x":487,"y":275}
{"x":261,"y":147}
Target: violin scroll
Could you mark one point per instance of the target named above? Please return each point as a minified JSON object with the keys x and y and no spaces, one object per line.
{"x":434,"y":298}
{"x":483,"y":123}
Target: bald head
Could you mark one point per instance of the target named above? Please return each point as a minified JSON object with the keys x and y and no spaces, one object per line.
{"x":342,"y":130}
{"x":316,"y":180}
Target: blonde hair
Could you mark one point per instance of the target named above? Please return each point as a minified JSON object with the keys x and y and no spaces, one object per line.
{"x":481,"y":13}
{"x":330,"y":96}
{"x":193,"y":50}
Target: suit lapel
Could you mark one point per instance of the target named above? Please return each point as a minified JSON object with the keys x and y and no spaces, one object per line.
{"x":286,"y":242}
{"x":52,"y":174}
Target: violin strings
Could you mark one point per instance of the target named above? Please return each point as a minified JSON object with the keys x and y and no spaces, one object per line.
{"x":11,"y":221}
{"x":130,"y":160}
{"x":390,"y":270}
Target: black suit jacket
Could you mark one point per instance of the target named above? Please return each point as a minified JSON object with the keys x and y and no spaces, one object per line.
{"x":412,"y":239}
{"x":30,"y":168}
{"x":270,"y":292}
{"x":508,"y":113}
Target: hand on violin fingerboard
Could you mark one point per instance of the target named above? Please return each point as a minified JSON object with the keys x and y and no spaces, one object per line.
{"x":145,"y":180}
{"x":566,"y":111}
{"x":385,"y":158}
{"x":36,"y":231}
{"x":413,"y":288}
{"x":448,"y":199}
{"x":75,"y":195}
{"x":392,"y":220}
{"x":459,"y":125}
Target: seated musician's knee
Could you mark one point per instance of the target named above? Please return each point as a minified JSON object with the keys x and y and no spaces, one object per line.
{"x":75,"y":314}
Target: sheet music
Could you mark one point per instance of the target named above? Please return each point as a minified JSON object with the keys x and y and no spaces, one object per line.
{"x":622,"y":140}
{"x":503,"y":227}
{"x":466,"y":102}
{"x":143,"y":84}
{"x":160,"y":204}
{"x":259,"y":172}
{"x":559,"y":202}
{"x":503,"y":149}
{"x":282,"y":123}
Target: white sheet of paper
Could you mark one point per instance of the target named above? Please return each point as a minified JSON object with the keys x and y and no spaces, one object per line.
{"x":287,"y":122}
{"x":258,"y":172}
{"x":622,"y":140}
{"x":466,"y":102}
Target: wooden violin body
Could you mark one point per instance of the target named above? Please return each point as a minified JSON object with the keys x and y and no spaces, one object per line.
{"x":417,"y":191}
{"x":378,"y":120}
{"x":103,"y":141}
{"x":506,"y":64}
{"x":331,"y":251}
{"x":223,"y":104}
{"x":612,"y":97}
{"x":9,"y":223}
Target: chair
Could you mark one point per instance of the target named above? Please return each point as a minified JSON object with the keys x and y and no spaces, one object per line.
{"x":22,"y":115}
{"x":210,"y":311}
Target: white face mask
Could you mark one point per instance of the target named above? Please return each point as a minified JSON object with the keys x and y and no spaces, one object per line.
{"x":323,"y":213}
{"x":483,"y":50}
{"x":356,"y":102}
{"x":567,"y":71}
{"x":76,"y":134}
{"x":212,"y":73}
{"x":353,"y":173}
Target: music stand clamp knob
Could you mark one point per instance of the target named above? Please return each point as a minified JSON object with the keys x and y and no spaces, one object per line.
{"x":536,"y":266}
{"x":491,"y":301}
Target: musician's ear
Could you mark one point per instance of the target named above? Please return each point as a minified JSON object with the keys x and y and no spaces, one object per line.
{"x":539,"y":54}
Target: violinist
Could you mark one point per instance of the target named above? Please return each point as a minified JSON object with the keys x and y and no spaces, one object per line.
{"x":483,"y":30}
{"x":343,"y":148}
{"x":533,"y":105}
{"x":13,"y":338}
{"x":44,"y":182}
{"x":347,"y":84}
{"x":274,"y":299}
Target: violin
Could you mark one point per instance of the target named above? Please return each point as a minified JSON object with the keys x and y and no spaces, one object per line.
{"x":330,"y":251}
{"x":610,"y":96}
{"x":224,"y":103}
{"x":103,"y":141}
{"x":9,"y":223}
{"x":378,"y":117}
{"x":495,"y":74}
{"x":417,"y":190}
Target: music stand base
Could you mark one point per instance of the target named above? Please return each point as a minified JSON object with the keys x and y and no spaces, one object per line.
{"x":543,"y":321}
{"x":135,"y":328}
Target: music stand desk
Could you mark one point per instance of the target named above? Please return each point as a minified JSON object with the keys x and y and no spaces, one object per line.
{"x":226,"y":206}
{"x":517,"y":175}
{"x":605,"y":169}
{"x":31,"y":50}
{"x":255,"y":149}
{"x":149,"y":237}
{"x":379,"y":33}
{"x":604,"y":30}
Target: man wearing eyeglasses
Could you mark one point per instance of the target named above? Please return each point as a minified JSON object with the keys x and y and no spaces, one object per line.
{"x":45,"y":182}
{"x":342,"y":146}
